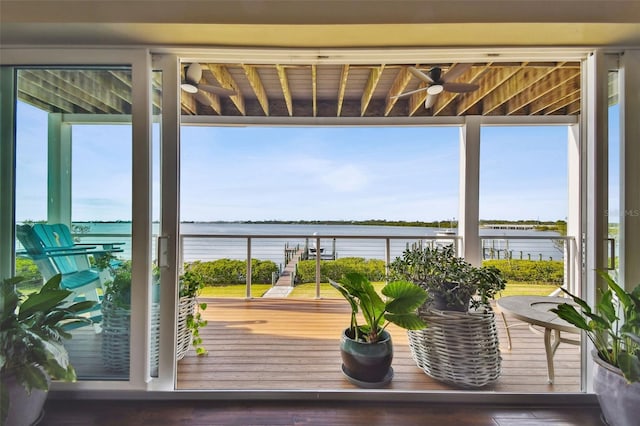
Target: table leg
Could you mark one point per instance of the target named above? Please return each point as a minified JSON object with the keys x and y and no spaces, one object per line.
{"x":506,"y":327}
{"x":550,"y":349}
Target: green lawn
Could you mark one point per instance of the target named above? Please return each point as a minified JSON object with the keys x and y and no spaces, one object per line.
{"x":235,"y":290}
{"x":308,"y":290}
{"x":524,"y":288}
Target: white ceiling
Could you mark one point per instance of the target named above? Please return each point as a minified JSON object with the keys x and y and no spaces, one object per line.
{"x":316,"y":23}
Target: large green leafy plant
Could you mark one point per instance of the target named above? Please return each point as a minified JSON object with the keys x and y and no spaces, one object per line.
{"x":442,"y":273}
{"x":402,"y":300}
{"x":32,"y":330}
{"x":614,"y":326}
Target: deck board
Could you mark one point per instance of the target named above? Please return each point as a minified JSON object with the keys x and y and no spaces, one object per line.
{"x":293,"y":344}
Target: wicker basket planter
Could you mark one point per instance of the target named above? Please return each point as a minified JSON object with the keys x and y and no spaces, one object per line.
{"x":116,"y":333}
{"x":183,"y":341}
{"x":458,"y":348}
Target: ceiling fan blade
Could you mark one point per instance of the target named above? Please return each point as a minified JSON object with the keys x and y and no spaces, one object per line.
{"x":422,"y":76}
{"x":455,"y":72}
{"x":410,"y":92}
{"x":194,"y":73}
{"x":460,"y":87}
{"x":202,"y":98}
{"x":430,"y":101}
{"x":216,"y":90}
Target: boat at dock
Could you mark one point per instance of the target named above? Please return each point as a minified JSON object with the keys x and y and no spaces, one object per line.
{"x":447,"y":237}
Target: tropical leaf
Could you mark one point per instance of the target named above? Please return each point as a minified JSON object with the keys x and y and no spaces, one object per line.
{"x":405,"y":297}
{"x":630,"y":366}
{"x":408,"y":321}
{"x":32,"y":377}
{"x":42,"y":301}
{"x":570,"y":314}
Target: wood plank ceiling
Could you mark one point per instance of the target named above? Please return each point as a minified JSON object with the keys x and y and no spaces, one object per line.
{"x":348,"y":90}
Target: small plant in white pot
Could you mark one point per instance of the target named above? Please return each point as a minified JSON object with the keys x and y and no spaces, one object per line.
{"x":614,"y":330}
{"x":32,"y":330}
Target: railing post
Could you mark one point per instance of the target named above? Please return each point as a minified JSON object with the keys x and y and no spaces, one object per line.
{"x":387,"y":259}
{"x":318,"y":256}
{"x":248,"y":294}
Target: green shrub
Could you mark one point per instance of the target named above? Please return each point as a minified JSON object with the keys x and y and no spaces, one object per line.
{"x":230,"y":271}
{"x":373,"y":269}
{"x":550,"y":271}
{"x":27,"y":269}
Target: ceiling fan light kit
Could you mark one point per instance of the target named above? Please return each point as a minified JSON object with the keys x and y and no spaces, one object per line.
{"x":437,"y":82}
{"x":189,"y":88}
{"x":436,"y":89}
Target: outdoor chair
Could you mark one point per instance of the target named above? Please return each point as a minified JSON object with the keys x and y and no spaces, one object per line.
{"x":52,"y":249}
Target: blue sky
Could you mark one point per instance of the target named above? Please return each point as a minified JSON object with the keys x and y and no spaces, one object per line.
{"x":307,"y":173}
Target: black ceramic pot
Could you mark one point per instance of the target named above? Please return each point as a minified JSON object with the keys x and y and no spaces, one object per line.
{"x":366,"y":362}
{"x":439,"y":299}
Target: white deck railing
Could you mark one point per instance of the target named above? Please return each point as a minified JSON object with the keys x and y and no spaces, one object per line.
{"x":274,"y":247}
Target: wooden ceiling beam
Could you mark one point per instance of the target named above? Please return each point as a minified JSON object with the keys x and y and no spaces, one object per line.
{"x":88,"y":90}
{"x":403,"y":77}
{"x":284,"y":84}
{"x":342,"y":87}
{"x":557,"y":94}
{"x":209,"y":99}
{"x":33,"y":87}
{"x":258,"y":88}
{"x":222,"y":74}
{"x":555,"y":79}
{"x":561,"y":103}
{"x":370,"y":87}
{"x":519,"y":82}
{"x":188,"y":103}
{"x":574,"y":108}
{"x":488,"y":83}
{"x":417,"y":99}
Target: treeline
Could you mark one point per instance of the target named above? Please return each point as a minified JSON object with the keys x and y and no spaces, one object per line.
{"x":445,"y":223}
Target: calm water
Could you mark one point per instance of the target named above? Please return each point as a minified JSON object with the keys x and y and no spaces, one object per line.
{"x":273,"y":248}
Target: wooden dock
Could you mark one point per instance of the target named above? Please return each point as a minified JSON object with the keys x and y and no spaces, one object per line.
{"x":285,"y":283}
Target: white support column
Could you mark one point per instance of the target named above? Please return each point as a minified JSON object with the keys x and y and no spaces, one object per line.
{"x":59,"y":170}
{"x":468,"y":216}
{"x":574,"y":223}
{"x":629,"y":169}
{"x":7,"y":172}
{"x":594,"y":189}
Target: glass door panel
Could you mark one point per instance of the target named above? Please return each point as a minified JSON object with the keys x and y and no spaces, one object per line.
{"x":73,"y":192}
{"x":613,"y":212}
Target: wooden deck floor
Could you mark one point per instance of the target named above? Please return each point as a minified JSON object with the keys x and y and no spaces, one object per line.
{"x":285,"y":344}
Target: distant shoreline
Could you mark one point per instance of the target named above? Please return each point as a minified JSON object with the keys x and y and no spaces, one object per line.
{"x":447,"y":223}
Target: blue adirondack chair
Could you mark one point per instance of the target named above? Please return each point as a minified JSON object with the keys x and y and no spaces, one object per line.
{"x":53,"y":250}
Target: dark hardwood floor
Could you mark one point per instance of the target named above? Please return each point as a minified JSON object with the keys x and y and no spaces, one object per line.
{"x":246,"y":413}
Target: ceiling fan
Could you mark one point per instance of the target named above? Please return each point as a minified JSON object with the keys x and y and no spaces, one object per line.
{"x":191,"y":84}
{"x":437,"y":82}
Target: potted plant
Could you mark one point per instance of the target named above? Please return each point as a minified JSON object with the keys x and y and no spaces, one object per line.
{"x":32,"y":330}
{"x":116,"y":318}
{"x":367,"y":349}
{"x":462,"y":324}
{"x":450,"y":281}
{"x":614,"y":330}
{"x":190,"y":313}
